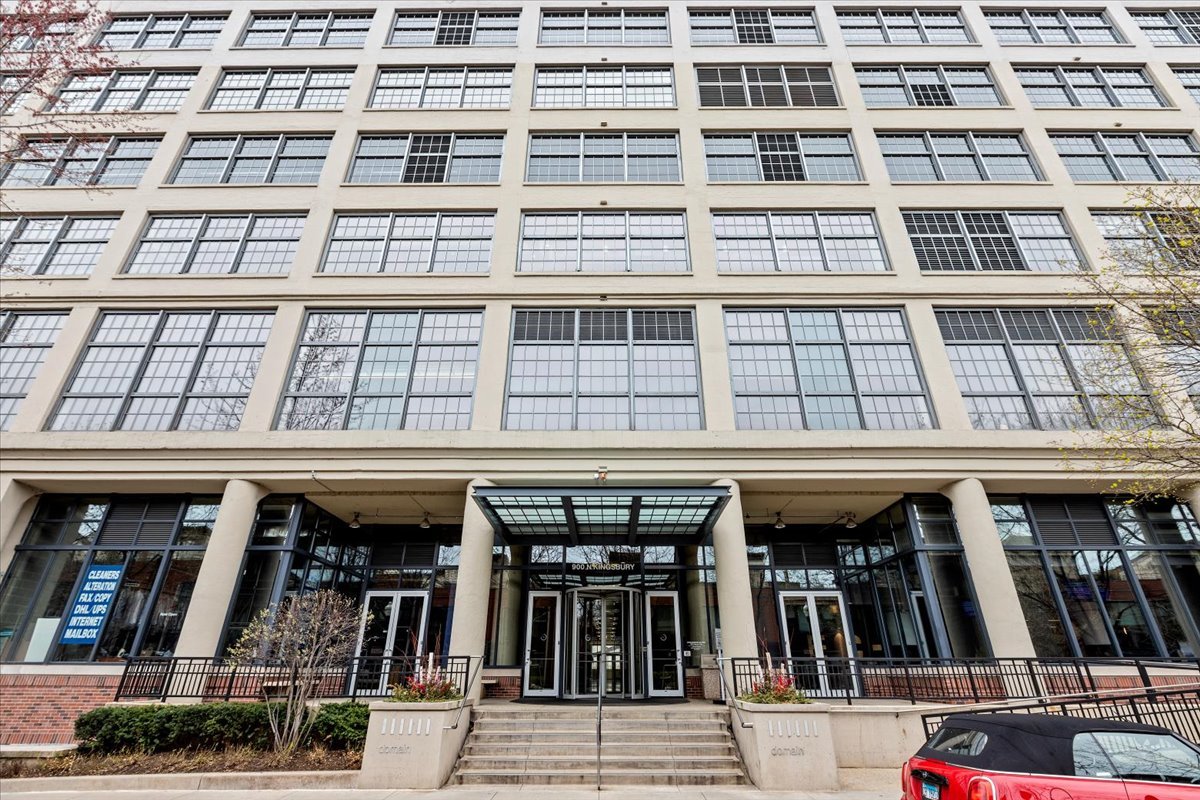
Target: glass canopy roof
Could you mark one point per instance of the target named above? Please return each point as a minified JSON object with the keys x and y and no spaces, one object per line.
{"x":602,"y":514}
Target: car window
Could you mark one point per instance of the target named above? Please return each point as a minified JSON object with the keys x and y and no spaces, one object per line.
{"x":958,"y":741}
{"x":1151,"y":756}
{"x":1090,"y":758}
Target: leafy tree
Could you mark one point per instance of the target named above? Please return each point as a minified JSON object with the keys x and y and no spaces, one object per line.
{"x":1150,"y":280}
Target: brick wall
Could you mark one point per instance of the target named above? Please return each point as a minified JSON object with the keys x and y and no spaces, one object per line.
{"x":41,"y":709}
{"x":506,"y":687}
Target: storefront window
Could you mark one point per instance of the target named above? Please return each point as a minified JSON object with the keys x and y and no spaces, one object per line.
{"x":1103,"y":577}
{"x":1037,"y":601}
{"x":95,"y":579}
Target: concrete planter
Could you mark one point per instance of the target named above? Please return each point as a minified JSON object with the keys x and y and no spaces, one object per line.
{"x":411,"y":745}
{"x":788,"y":747}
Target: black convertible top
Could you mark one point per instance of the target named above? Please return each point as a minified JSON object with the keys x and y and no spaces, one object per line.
{"x":1031,"y":743}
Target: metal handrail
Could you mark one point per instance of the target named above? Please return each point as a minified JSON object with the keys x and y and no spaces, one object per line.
{"x":600,"y":711}
{"x":729,"y":693}
{"x":1102,"y":705}
{"x":474,"y":672}
{"x":960,"y":680}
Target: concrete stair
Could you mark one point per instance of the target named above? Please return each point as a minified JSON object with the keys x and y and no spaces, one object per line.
{"x":642,"y":745}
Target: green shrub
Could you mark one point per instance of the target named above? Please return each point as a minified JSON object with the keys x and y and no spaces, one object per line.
{"x":341,"y":726}
{"x":160,"y":728}
{"x":154,"y":728}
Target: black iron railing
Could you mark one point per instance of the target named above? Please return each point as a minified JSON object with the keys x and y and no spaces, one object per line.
{"x":1175,"y":709}
{"x":167,"y":678}
{"x":965,"y":680}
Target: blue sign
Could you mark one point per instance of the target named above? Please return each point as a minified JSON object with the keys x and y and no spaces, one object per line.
{"x":92,"y":602}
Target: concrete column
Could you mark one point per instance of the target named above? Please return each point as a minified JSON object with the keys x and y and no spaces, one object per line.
{"x":1193,"y":499}
{"x":994,"y":587}
{"x":734,"y":599}
{"x":469,"y":632}
{"x":219,"y":573}
{"x":16,"y":507}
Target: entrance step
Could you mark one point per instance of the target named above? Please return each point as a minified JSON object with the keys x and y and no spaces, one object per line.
{"x":650,"y":746}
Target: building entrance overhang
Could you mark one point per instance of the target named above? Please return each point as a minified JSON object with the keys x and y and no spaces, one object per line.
{"x":671,"y":515}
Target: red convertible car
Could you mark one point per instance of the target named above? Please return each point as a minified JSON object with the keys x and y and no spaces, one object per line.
{"x":1001,"y":756}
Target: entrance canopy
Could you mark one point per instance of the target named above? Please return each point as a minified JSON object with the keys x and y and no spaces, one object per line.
{"x":672,"y":515}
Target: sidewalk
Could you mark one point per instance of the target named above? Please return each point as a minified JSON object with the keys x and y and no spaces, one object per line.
{"x":465,"y":793}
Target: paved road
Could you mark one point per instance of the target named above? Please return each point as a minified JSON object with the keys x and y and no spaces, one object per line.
{"x":466,"y":793}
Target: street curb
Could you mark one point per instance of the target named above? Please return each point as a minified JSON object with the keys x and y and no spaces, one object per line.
{"x":313,"y":779}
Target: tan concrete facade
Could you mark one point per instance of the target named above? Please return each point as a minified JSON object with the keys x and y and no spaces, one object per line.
{"x":814,"y":475}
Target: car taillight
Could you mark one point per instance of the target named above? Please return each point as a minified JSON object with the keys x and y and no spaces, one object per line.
{"x":981,"y":789}
{"x":904,"y":776}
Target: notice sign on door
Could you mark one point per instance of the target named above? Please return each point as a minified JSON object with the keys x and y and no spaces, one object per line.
{"x":91,"y":605}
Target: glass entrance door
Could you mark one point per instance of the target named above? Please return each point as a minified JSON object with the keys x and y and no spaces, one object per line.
{"x":542,"y":644}
{"x":815,"y":630}
{"x":604,"y":645}
{"x":663,"y":651}
{"x":391,"y":638}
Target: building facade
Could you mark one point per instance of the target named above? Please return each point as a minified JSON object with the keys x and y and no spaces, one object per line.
{"x":552,"y":330}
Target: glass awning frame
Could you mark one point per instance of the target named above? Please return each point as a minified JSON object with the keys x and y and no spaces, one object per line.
{"x":665,"y":515}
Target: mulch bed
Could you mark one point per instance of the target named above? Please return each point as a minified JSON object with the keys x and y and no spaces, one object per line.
{"x":233,"y":760}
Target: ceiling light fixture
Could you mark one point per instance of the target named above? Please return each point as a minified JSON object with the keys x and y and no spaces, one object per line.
{"x":425,"y":520}
{"x":354,"y":523}
{"x":850,"y":523}
{"x":779,"y":523}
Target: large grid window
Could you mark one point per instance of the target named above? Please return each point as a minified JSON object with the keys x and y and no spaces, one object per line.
{"x":603,"y":86}
{"x":1169,"y":27}
{"x":1179,"y":336}
{"x":798,"y":241}
{"x":904,"y":26}
{"x":1138,"y":238}
{"x":427,"y":158}
{"x":410,"y":243}
{"x":1052,"y":26}
{"x":1102,"y":156}
{"x":383,"y":370}
{"x":1190,"y":78}
{"x":957,"y":156}
{"x":54,"y":36}
{"x":95,"y":161}
{"x":1113,"y":87}
{"x":25,"y":339}
{"x":611,"y":369}
{"x":52,"y":245}
{"x":281,"y":89}
{"x":604,"y":26}
{"x":161,"y":31}
{"x":1040,"y":368}
{"x":126,"y":90}
{"x":927,"y":85}
{"x":322,"y":29}
{"x":15,"y":89}
{"x":604,"y":241}
{"x":603,"y":158}
{"x":825,"y":368}
{"x":787,"y":85}
{"x":1035,"y":241}
{"x":165,"y":370}
{"x":448,"y":28}
{"x":252,"y":159}
{"x":780,"y":156}
{"x":753,"y":26}
{"x":442,"y":87}
{"x":217,"y":244}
